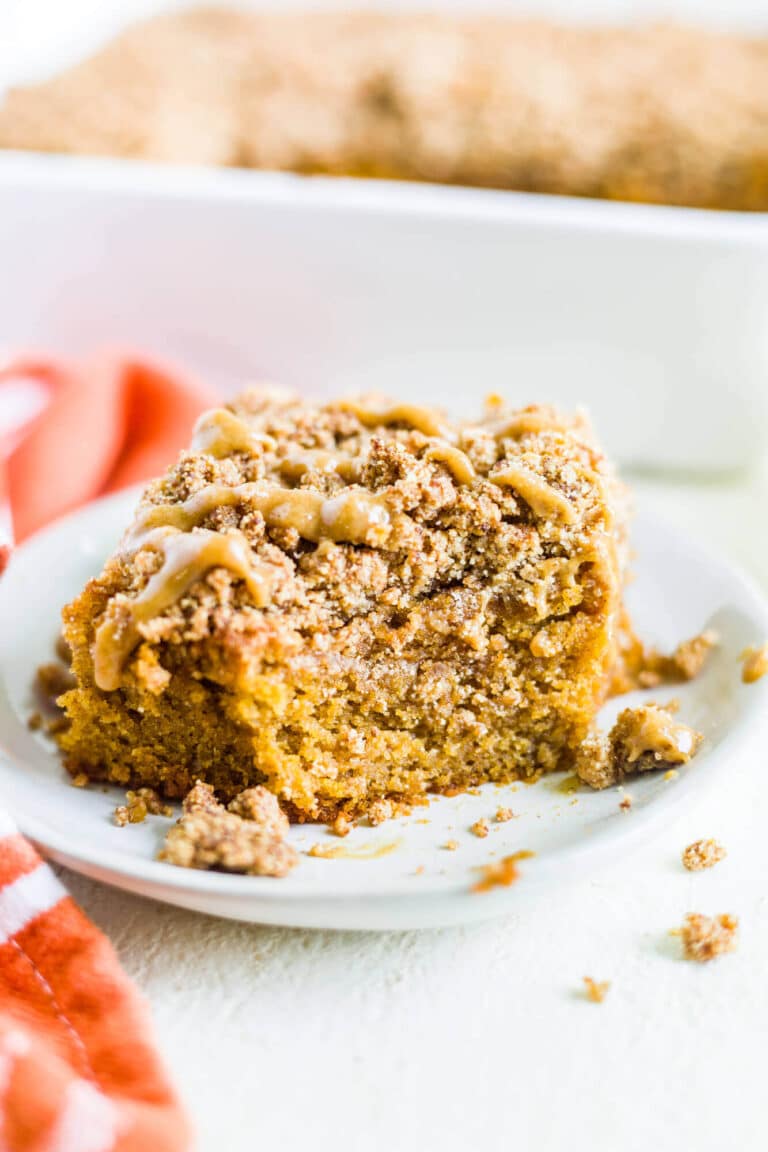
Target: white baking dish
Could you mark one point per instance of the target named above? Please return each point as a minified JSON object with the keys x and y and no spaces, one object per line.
{"x":654,"y":318}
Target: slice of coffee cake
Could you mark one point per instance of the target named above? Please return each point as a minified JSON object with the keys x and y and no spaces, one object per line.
{"x":353,"y":602}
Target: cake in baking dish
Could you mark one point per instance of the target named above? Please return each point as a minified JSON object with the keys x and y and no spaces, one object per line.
{"x":353,"y":603}
{"x":645,"y":112}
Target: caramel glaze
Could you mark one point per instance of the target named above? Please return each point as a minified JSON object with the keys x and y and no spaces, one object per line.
{"x":185,"y":559}
{"x":545,"y":500}
{"x":423,"y":419}
{"x":353,"y":516}
{"x":219,"y":433}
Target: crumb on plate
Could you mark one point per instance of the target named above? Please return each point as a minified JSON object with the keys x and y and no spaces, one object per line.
{"x":480,"y":828}
{"x":754,"y":664}
{"x":503,"y":815}
{"x":642,"y":739}
{"x":501,"y":873}
{"x":341,"y":826}
{"x":210,"y":836}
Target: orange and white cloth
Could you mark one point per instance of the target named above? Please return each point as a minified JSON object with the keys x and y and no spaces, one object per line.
{"x":78,"y":1068}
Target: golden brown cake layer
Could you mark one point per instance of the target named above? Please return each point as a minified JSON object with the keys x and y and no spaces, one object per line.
{"x":649,"y":113}
{"x":350,"y":603}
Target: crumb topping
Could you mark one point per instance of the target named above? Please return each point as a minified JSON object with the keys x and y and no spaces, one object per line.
{"x":703,"y":854}
{"x":209,"y":836}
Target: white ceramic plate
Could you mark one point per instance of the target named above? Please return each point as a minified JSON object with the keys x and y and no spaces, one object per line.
{"x":678,"y":590}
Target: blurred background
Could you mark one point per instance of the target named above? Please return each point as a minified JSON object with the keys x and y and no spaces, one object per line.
{"x":342,"y":286}
{"x":78,"y":26}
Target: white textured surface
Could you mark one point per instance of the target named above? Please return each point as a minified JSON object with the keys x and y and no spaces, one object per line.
{"x":478,"y":1038}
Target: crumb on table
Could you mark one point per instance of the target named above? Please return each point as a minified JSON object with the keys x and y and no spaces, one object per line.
{"x":703,"y":854}
{"x":595,"y":990}
{"x":210,"y":836}
{"x":754,"y":664}
{"x":706,"y":937}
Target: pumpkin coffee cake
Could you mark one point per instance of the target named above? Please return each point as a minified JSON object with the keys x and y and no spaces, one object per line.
{"x":351,"y":603}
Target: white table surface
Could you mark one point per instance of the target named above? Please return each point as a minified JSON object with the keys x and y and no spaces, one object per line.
{"x":479,"y":1038}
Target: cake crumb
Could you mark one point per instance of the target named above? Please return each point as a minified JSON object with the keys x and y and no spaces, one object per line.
{"x":625,"y":803}
{"x":80,"y":780}
{"x":703,"y":854}
{"x":419,"y":871}
{"x":503,"y":815}
{"x":451,"y":845}
{"x":501,"y":873}
{"x":379,"y":811}
{"x":595,"y":990}
{"x":134,"y":812}
{"x":754,"y":664}
{"x":642,"y":739}
{"x":138,"y":805}
{"x":341,"y":825}
{"x":706,"y":937}
{"x":35,"y":721}
{"x":671,"y":774}
{"x":210,"y":836}
{"x":480,"y":828}
{"x":154,"y":804}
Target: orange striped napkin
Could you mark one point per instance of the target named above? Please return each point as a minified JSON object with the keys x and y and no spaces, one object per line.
{"x":78,"y":1067}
